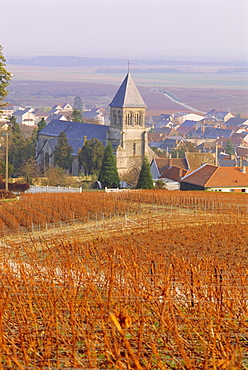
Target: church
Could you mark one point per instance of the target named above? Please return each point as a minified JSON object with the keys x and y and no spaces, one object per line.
{"x":127,"y":133}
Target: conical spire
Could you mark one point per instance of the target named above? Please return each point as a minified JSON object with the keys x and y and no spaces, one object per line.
{"x":128,"y":95}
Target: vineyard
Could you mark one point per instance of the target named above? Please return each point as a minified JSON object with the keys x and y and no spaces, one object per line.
{"x":131,"y":280}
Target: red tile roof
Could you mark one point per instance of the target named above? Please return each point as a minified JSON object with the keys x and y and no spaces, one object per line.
{"x":174,"y":173}
{"x":163,"y":163}
{"x":212,"y":176}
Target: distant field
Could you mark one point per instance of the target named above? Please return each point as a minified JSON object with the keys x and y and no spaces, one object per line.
{"x":203,"y":90}
{"x":205,"y":79}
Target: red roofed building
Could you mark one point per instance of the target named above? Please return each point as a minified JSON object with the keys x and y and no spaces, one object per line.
{"x":208,"y":177}
{"x":172,"y":177}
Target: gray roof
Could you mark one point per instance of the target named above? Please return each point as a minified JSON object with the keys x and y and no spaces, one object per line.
{"x":128,"y":95}
{"x":20,"y":112}
{"x":76,"y":132}
{"x":218,"y":132}
{"x":235,"y":121}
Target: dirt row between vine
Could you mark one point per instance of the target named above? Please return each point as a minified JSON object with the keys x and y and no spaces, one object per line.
{"x":121,"y":225}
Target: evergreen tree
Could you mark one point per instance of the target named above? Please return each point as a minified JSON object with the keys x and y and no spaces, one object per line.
{"x":63,"y":152}
{"x":4,"y":78}
{"x":41,"y":124}
{"x":17,"y":144}
{"x":145,"y":178}
{"x":108,"y":175}
{"x":78,"y":104}
{"x":76,"y":116}
{"x":21,"y":149}
{"x":229,"y":148}
{"x":91,"y":156}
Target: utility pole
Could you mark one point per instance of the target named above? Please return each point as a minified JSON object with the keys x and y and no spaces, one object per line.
{"x":7,"y":164}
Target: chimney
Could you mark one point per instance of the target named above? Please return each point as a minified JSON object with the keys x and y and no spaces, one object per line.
{"x":216,"y":155}
{"x":85,"y":139}
{"x":240,"y":161}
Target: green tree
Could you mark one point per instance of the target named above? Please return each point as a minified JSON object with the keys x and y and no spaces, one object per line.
{"x":21,"y":149}
{"x":17,"y":145}
{"x":5,"y":78}
{"x":63,"y":152}
{"x":91,"y":156}
{"x":108,"y":175}
{"x":78,"y":104}
{"x":3,"y":168}
{"x":41,"y":124}
{"x":145,"y":178}
{"x":76,"y":116}
{"x":229,"y":148}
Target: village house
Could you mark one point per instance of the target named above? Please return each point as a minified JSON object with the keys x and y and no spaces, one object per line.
{"x":39,"y":114}
{"x":94,"y":114}
{"x":25,"y":116}
{"x":212,"y":178}
{"x":180,"y":117}
{"x":172,"y":177}
{"x":219,"y":115}
{"x":159,"y":165}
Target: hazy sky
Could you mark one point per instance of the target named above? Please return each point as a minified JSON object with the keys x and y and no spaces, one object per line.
{"x":168,"y":29}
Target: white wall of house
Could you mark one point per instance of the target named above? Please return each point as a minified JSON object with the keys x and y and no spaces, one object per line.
{"x":154,"y":171}
{"x":170,"y":184}
{"x":28,"y":119}
{"x":230,"y":190}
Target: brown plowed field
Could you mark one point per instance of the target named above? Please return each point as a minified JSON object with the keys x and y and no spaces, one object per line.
{"x":43,"y":87}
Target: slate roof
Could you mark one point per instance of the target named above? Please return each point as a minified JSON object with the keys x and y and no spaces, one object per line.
{"x":163,"y":130}
{"x":218,"y":132}
{"x":185,"y":130}
{"x":40,"y":113}
{"x":169,"y":143}
{"x":20,"y":112}
{"x":235,"y":121}
{"x":189,"y":123}
{"x":93,"y":113}
{"x":75,"y":130}
{"x":231,"y":162}
{"x":212,"y":176}
{"x":128,"y":95}
{"x":242,"y":151}
{"x":221,"y":114}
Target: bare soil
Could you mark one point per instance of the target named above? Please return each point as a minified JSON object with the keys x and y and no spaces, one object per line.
{"x":42,"y":94}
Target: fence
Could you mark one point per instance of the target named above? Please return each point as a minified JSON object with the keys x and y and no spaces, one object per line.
{"x":52,"y":189}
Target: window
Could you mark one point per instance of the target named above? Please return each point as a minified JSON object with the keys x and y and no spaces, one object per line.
{"x":128,"y":119}
{"x":134,"y":148}
{"x":120,"y":118}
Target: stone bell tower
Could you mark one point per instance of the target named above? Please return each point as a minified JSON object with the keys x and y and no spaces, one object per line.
{"x":127,"y":132}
